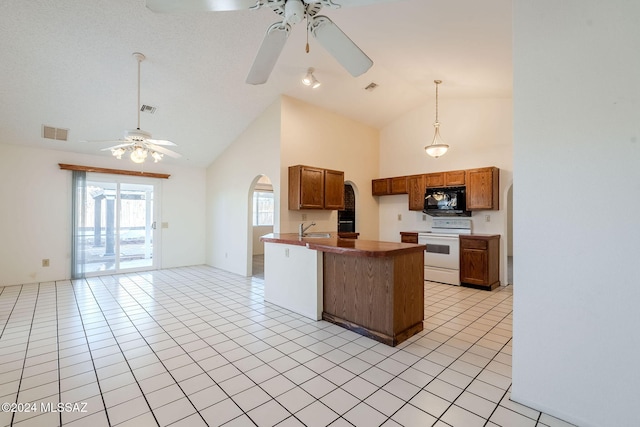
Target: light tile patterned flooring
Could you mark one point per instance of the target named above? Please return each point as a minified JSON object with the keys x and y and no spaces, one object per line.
{"x":198,"y":346}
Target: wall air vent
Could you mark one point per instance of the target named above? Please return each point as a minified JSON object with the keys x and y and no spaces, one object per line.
{"x":148,"y":109}
{"x":371,"y":86}
{"x":58,"y":134}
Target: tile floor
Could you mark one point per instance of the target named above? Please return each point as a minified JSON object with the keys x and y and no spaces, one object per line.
{"x":198,"y":346}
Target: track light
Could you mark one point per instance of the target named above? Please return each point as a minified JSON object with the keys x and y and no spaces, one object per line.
{"x":310,"y":80}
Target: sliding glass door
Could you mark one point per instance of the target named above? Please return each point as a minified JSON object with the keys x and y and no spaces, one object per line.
{"x":119,"y":226}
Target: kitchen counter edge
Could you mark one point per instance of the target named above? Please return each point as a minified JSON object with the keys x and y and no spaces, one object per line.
{"x":353,"y":247}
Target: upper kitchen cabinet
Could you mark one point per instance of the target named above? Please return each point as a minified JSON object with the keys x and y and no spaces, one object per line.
{"x":483,"y":186}
{"x":445,"y":179}
{"x":386,"y":186}
{"x":381,"y":187}
{"x":315,"y":188}
{"x":434,"y":179}
{"x":333,"y":189}
{"x":454,"y":178}
{"x":416,"y":187}
{"x":399,"y":185}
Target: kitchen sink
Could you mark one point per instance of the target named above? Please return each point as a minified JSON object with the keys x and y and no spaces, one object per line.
{"x":317,"y":235}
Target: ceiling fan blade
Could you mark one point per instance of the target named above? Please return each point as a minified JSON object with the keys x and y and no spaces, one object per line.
{"x":161,"y":142}
{"x":199,"y":5}
{"x":341,"y":47}
{"x":103,"y":141}
{"x":117,"y":146}
{"x":163,"y":150}
{"x":267,"y":56}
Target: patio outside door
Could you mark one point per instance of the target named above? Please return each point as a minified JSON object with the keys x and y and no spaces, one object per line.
{"x":119,"y":226}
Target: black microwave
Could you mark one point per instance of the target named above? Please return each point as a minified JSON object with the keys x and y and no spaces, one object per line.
{"x":446,"y":201}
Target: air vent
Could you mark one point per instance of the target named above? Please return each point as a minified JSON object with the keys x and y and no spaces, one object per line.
{"x":148,"y":109}
{"x":58,"y":134}
{"x":371,"y":86}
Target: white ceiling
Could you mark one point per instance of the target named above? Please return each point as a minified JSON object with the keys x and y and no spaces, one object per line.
{"x":68,"y":64}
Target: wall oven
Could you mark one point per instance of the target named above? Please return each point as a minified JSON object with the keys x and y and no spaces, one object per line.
{"x":442,"y":253}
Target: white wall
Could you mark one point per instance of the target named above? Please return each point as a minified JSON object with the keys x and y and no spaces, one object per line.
{"x":259,"y":231}
{"x":479,"y":133}
{"x":576,"y":344}
{"x":230,"y":181}
{"x":35,"y":213}
{"x":316,"y":137}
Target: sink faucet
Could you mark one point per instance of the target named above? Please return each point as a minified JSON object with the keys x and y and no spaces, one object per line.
{"x":302,"y":228}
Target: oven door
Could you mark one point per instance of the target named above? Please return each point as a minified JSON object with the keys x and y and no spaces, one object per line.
{"x":441,"y":251}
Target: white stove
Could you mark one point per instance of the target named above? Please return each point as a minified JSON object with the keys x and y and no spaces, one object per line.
{"x":442,"y":254}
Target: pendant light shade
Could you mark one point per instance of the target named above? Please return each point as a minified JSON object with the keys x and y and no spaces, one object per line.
{"x":437,"y":147}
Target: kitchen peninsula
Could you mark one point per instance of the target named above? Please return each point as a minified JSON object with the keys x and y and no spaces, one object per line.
{"x":373,"y":288}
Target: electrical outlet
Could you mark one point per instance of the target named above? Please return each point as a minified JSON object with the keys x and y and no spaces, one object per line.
{"x":165,"y":225}
{"x":286,"y":252}
{"x":45,"y":262}
{"x":226,"y":255}
{"x":304,"y":217}
{"x":399,"y":217}
{"x":487,"y":218}
{"x":424,"y":217}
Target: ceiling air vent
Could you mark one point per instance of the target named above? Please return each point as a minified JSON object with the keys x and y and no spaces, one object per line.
{"x":147,"y":109}
{"x":371,"y":86}
{"x":58,"y":134}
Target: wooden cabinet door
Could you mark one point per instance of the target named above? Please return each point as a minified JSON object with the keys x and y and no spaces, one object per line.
{"x":483,"y":189}
{"x":416,"y":184}
{"x":473,"y":266}
{"x":454,"y":178}
{"x":306,"y":187}
{"x":399,"y":185}
{"x":434,"y":179}
{"x":480,"y":261}
{"x":381,"y":187}
{"x":333,"y":189}
{"x":407,"y":237}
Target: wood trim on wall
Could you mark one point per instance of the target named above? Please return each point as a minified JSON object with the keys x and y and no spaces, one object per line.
{"x":113,"y":171}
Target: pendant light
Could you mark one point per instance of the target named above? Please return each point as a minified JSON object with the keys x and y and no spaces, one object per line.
{"x":437,"y":147}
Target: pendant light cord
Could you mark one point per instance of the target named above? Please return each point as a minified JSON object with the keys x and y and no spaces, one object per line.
{"x":437,"y":82}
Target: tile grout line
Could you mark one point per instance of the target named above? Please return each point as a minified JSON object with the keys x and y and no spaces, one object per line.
{"x":95,"y":371}
{"x":406,"y":402}
{"x":154,"y":351}
{"x":13,"y":415}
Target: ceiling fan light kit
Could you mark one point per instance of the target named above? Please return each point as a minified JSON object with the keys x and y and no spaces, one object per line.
{"x":138,"y":142}
{"x":437,"y":147}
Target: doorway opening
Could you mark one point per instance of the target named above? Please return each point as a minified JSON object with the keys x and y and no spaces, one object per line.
{"x":118,"y":233}
{"x":262,"y":209}
{"x":347,"y":217}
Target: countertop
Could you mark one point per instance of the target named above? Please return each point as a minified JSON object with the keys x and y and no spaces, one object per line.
{"x":469,"y":236}
{"x":335,"y":244}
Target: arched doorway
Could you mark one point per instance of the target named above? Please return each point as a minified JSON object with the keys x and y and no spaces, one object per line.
{"x":347,"y":217}
{"x":262,"y":215}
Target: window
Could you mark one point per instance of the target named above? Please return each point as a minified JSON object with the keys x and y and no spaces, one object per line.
{"x":262,"y":208}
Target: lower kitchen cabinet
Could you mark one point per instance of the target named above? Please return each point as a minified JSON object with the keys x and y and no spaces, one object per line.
{"x":409,"y":237}
{"x":480,"y":261}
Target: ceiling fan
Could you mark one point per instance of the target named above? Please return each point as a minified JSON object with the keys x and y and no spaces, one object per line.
{"x":336,"y":42}
{"x":137,"y":141}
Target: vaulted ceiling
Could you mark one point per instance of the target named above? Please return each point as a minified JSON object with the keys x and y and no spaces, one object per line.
{"x":69,"y":64}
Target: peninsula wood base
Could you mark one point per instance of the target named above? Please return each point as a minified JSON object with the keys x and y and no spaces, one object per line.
{"x":378,"y":297}
{"x":378,"y":336}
